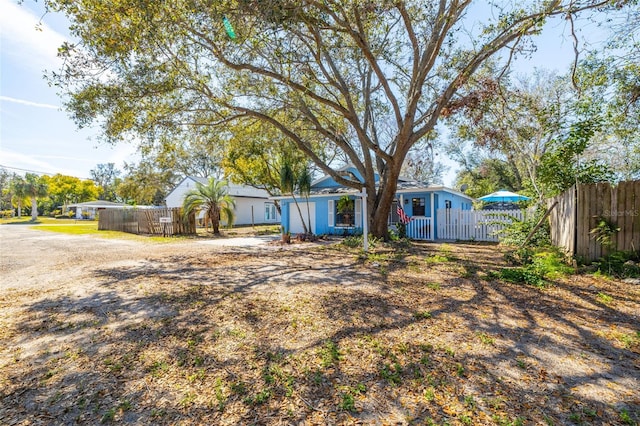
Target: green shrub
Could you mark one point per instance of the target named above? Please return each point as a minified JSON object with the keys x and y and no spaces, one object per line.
{"x":517,"y":231}
{"x":538,"y":269}
{"x":352,"y":241}
{"x":619,"y":264}
{"x":604,"y":232}
{"x":355,"y":241}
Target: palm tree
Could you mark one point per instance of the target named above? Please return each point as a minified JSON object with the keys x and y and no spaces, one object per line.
{"x":18,"y":189}
{"x":35,"y":187}
{"x":288,"y":183}
{"x":214,"y":199}
{"x":304,"y":185}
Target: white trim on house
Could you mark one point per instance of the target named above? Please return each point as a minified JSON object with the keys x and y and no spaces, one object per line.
{"x":435,"y":189}
{"x":331,"y":218}
{"x":312,"y":195}
{"x":400,"y":192}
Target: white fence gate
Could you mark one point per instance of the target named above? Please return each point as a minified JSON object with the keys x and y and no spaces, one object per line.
{"x":474,"y":225}
{"x":420,"y":228}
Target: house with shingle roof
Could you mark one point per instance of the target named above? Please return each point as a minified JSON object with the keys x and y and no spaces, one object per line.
{"x":253,"y":205}
{"x":334,"y":209}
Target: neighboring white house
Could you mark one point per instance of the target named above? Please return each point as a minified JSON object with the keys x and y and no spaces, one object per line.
{"x":89,"y":209}
{"x":252,"y":205}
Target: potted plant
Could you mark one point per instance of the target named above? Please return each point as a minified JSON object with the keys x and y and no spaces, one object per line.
{"x":345,"y":208}
{"x":286,"y":236}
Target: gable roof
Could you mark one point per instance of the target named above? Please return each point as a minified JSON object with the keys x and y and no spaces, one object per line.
{"x":233,"y":189}
{"x":327,"y":177}
{"x":404,"y":185}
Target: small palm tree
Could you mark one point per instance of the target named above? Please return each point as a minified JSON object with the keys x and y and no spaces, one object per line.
{"x":35,"y":187}
{"x":18,"y":189}
{"x":304,"y":185}
{"x":288,"y":182}
{"x":214,"y":199}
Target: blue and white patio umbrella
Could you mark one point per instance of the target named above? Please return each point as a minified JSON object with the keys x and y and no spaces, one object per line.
{"x":503,"y":196}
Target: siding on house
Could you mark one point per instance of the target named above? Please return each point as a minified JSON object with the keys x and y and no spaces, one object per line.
{"x":326,"y":197}
{"x":251,"y":210}
{"x":325,"y":210}
{"x":251,"y":203}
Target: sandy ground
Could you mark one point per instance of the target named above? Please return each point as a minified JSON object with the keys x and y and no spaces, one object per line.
{"x":200,"y":332}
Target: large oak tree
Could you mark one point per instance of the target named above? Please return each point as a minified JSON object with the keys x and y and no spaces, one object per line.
{"x":368,"y":78}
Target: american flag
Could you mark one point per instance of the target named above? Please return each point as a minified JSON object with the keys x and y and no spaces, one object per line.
{"x":402,"y":215}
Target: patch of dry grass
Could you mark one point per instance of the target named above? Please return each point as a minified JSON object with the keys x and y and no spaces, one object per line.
{"x":413,"y":335}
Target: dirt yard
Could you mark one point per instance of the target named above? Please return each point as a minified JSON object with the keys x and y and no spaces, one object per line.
{"x":99,"y":331}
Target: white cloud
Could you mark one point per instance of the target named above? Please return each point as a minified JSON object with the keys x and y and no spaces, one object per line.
{"x":28,"y":103}
{"x":36,"y":48}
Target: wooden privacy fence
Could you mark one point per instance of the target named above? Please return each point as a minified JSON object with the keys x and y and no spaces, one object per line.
{"x":582,"y":207}
{"x":162,"y":221}
{"x":474,"y":225}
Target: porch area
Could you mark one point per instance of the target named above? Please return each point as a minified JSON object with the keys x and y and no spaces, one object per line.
{"x":462,"y":225}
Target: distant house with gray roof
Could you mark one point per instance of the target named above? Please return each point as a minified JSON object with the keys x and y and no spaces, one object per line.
{"x":253,"y":205}
{"x":90,"y":209}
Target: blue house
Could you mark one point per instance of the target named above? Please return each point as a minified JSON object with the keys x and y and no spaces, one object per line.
{"x":334,"y":209}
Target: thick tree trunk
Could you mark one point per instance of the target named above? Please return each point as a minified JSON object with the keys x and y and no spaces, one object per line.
{"x":215,"y":221}
{"x":34,"y":209}
{"x":380,"y":214}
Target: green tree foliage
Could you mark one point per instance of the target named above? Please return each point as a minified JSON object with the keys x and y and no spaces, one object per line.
{"x":18,"y":188}
{"x":186,"y":152}
{"x":145,"y":183}
{"x":214,"y":199}
{"x":5,"y":189}
{"x":487,"y":175}
{"x":609,"y":80}
{"x":106,"y":177}
{"x":368,"y":80}
{"x":510,"y":125}
{"x":64,"y":190}
{"x":562,"y":166}
{"x":254,"y":156}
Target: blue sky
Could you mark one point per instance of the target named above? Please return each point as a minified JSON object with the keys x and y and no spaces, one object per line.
{"x":36,"y":135}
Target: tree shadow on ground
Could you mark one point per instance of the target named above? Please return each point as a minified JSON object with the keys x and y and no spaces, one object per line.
{"x":322,"y":338}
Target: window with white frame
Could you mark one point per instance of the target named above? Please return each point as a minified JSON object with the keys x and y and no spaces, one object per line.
{"x":269,"y":212}
{"x":418,"y":205}
{"x":345,"y":212}
{"x":394,"y":218}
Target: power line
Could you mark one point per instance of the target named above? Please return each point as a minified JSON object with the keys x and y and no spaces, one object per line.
{"x":38,"y":172}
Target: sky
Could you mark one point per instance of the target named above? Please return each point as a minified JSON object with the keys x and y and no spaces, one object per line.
{"x":37,"y":135}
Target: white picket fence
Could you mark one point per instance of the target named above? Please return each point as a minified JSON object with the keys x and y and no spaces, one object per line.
{"x":420,"y":228}
{"x":474,"y":225}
